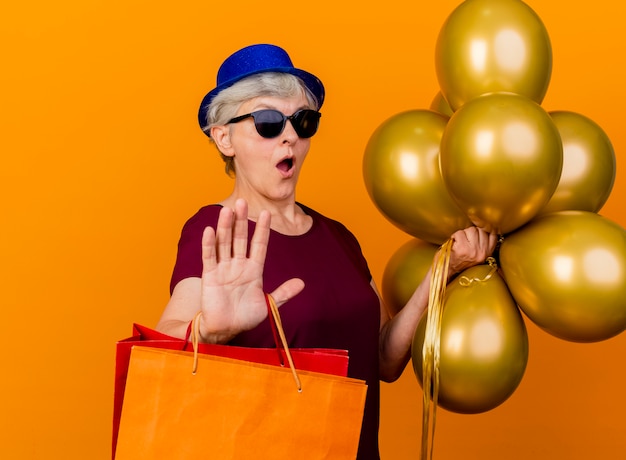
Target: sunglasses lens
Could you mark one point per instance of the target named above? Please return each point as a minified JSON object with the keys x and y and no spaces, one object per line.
{"x":269,"y":123}
{"x":306,"y":122}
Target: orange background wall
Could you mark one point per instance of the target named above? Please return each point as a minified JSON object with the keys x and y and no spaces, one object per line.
{"x":102,"y":162}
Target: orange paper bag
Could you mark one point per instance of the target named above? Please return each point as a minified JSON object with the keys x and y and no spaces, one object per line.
{"x":328,"y":361}
{"x":231,"y":409}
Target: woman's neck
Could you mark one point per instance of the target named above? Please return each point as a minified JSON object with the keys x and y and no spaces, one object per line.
{"x":288,"y":218}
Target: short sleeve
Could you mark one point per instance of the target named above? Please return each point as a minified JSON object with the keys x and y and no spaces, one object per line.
{"x":189,"y":256}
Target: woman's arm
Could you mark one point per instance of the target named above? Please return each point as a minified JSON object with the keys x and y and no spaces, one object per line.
{"x":230,"y":293}
{"x":181,"y":308}
{"x":470,"y":247}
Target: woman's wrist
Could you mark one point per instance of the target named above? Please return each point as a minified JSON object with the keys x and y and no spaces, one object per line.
{"x":204,"y":336}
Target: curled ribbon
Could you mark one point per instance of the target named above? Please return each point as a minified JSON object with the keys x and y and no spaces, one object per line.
{"x":465,"y":281}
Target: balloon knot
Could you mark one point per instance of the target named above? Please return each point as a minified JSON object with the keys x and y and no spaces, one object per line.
{"x":467,"y":281}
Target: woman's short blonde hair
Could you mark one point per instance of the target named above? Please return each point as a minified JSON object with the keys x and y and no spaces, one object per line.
{"x":225,"y":105}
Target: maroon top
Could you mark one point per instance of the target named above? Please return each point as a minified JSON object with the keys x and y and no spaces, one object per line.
{"x":337,"y":308}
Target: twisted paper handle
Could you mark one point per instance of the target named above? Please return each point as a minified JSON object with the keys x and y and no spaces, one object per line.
{"x":431,"y":348}
{"x":279,"y":326}
{"x":195,"y":334}
{"x":273,"y":310}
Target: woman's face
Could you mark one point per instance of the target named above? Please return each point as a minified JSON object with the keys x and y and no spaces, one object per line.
{"x":269,"y":167}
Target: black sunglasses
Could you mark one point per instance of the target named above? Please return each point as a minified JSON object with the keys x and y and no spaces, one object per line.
{"x":270,"y":123}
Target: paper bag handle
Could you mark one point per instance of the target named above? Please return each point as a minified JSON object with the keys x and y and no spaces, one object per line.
{"x":273,"y":310}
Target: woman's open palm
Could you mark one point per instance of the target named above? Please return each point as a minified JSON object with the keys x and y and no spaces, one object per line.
{"x":233,"y":299}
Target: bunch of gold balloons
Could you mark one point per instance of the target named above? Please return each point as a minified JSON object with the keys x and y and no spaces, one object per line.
{"x":486,"y":153}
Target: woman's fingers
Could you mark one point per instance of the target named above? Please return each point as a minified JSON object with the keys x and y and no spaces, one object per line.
{"x":474,"y":239}
{"x":471,"y":246}
{"x":240,"y":231}
{"x":232,"y":233}
{"x":258,"y":243}
{"x":485,"y":242}
{"x":287,"y":290}
{"x":209,"y":255}
{"x":224,"y":234}
{"x":492,"y":239}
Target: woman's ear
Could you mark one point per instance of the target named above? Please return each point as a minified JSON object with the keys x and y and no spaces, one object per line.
{"x":221,"y":137}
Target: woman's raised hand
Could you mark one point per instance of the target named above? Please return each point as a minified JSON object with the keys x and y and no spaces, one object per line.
{"x":232,"y":293}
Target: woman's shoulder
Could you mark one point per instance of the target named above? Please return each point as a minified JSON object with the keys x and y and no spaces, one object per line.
{"x":329,"y":222}
{"x":329,"y":228}
{"x":208,"y":213}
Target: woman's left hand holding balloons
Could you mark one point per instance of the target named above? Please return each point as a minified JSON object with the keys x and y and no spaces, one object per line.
{"x":471,"y":246}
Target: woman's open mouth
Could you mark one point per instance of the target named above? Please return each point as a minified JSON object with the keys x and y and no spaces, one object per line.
{"x":285,"y":165}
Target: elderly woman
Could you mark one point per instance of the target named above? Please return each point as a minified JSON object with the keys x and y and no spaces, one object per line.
{"x":259,"y":239}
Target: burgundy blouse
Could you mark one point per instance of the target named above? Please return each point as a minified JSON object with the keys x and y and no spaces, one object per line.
{"x":337,"y":308}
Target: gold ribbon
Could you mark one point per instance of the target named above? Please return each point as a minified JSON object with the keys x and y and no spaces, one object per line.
{"x":432,"y":341}
{"x":431,"y":347}
{"x":465,"y":281}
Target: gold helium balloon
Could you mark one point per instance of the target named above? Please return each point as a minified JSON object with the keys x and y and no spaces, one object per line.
{"x":567,"y":272}
{"x":404,"y":271}
{"x":401,"y":173}
{"x":489,"y":46}
{"x":501,"y":159}
{"x":483,"y":343}
{"x":440,"y":105}
{"x":588,"y":165}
